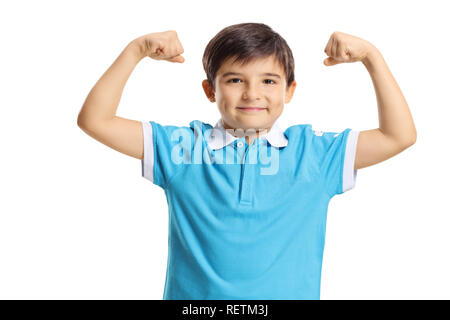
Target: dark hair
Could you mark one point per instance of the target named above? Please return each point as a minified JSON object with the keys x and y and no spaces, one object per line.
{"x":245,"y":42}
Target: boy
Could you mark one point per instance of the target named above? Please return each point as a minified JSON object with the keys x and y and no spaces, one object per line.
{"x":247,"y":201}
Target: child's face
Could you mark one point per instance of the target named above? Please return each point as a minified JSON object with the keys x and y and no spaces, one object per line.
{"x":249,"y":86}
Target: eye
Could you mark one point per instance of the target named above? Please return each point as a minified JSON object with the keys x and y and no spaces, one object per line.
{"x":232,"y":80}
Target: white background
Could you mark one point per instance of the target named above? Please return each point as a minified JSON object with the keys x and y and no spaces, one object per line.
{"x":77,"y":220}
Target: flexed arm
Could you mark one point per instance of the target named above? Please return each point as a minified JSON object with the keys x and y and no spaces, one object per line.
{"x":98,"y":115}
{"x":396,"y":130}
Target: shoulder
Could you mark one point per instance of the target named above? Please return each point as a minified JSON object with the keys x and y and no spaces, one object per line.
{"x":185,"y":136}
{"x":309,"y":138}
{"x":193,"y":129}
{"x":308,"y":130}
{"x":199,"y":127}
{"x":297,"y":131}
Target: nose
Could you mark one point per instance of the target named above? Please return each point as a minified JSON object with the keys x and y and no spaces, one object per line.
{"x":251,"y":92}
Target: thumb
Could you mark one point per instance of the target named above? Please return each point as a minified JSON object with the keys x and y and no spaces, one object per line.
{"x":330,"y":61}
{"x":178,"y":58}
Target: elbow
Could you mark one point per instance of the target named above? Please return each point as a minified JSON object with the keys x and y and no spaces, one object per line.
{"x":80,"y":121}
{"x":410,"y":141}
{"x":405,"y":142}
{"x":413,"y":138}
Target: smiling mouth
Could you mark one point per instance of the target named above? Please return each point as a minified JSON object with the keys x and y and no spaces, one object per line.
{"x":251,"y":109}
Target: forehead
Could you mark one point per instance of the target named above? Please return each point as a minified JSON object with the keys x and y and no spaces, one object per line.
{"x":264,"y":64}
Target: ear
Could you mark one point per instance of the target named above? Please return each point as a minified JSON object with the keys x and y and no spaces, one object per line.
{"x":208,"y":90}
{"x":290,"y":92}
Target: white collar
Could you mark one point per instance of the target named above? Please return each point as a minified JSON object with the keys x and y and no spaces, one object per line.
{"x":220,"y":137}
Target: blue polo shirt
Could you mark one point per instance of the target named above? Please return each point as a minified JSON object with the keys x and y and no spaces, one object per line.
{"x":246,"y":222}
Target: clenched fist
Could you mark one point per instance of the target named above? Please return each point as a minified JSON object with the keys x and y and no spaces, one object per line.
{"x":343,"y":47}
{"x":161,"y":46}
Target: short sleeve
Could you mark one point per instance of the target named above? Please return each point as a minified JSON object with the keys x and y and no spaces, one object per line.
{"x":337,"y":152}
{"x":166,"y":149}
{"x":148,"y":160}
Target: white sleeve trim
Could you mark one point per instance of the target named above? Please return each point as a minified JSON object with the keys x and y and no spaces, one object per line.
{"x":349,"y":178}
{"x":148,"y":161}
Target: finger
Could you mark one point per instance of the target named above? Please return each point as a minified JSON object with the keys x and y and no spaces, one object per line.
{"x":178,"y":58}
{"x":333,"y":47}
{"x":180,"y":47}
{"x":342,"y":52}
{"x":348,"y":53}
{"x":330,"y":61}
{"x":177,"y":50}
{"x":173,"y":51}
{"x":159,"y":50}
{"x":328,"y":47}
{"x":338,"y":52}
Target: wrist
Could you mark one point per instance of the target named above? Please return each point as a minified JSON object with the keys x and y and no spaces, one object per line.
{"x":372,"y":57}
{"x":136,"y":49}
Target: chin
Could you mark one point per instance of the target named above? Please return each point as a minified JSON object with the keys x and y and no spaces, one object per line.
{"x":254,"y":123}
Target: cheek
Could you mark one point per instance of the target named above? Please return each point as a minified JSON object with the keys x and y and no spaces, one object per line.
{"x":277,"y":101}
{"x":225,"y":94}
{"x":277,"y":106}
{"x":228,"y":99}
{"x":225,"y":105}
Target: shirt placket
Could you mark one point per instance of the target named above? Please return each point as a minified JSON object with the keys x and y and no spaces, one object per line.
{"x":247,"y":172}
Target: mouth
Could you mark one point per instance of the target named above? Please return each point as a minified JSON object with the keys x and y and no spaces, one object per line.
{"x":252,"y":109}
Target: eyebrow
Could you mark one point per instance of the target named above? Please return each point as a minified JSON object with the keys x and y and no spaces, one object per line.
{"x":240,"y":74}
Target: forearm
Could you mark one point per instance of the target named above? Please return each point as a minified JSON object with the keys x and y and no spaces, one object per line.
{"x":395,"y":119}
{"x":103,"y":99}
